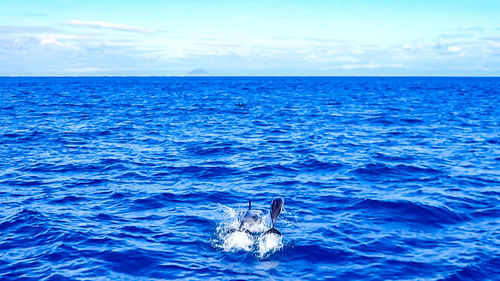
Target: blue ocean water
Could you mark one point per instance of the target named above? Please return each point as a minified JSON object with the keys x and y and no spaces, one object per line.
{"x":134,"y":178}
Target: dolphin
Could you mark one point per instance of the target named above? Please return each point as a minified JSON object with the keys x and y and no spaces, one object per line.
{"x":276,"y":207}
{"x":250,"y":218}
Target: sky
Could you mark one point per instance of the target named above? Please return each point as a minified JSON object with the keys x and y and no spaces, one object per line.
{"x":238,"y":38}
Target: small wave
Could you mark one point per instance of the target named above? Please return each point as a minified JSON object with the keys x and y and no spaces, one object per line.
{"x":380,"y":169}
{"x":23,"y":217}
{"x":135,"y":229}
{"x":85,"y":182}
{"x":68,"y":199}
{"x":23,"y":183}
{"x":412,"y":120}
{"x":374,"y":169}
{"x":61,"y":168}
{"x":28,"y":228}
{"x":317,"y":253}
{"x":406,"y":211}
{"x":483,"y":270}
{"x":286,"y":183}
{"x":493,"y":140}
{"x":136,"y":262}
{"x":132,"y":175}
{"x":108,"y":167}
{"x":409,"y":169}
{"x":11,"y":135}
{"x":273,"y":168}
{"x":392,"y":158}
{"x":205,"y":172}
{"x":278,"y":141}
{"x":316,"y":165}
{"x":108,"y":218}
{"x":218,"y":149}
{"x":379,"y":120}
{"x":486,"y":213}
{"x":160,"y":200}
{"x":152,"y":202}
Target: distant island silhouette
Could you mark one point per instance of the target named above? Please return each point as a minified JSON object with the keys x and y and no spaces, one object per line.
{"x":199,"y":72}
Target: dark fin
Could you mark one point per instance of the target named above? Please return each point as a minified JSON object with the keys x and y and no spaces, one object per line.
{"x":273,"y":230}
{"x":242,"y":222}
{"x":276,"y":207}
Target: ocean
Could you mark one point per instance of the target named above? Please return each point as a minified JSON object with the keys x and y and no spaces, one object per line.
{"x":145,"y":178}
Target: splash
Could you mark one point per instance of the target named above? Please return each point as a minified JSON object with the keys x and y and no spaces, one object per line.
{"x":238,"y":240}
{"x":230,"y":239}
{"x":268,"y":244}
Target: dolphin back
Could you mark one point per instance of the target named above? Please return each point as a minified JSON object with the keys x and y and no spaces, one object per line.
{"x":276,"y":207}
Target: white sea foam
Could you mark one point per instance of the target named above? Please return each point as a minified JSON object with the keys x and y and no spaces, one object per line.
{"x":269,"y":243}
{"x":238,"y":240}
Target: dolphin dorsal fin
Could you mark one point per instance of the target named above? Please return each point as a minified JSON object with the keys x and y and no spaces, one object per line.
{"x":249,"y":204}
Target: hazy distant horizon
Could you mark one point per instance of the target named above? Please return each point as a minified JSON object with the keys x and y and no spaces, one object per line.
{"x":256,"y":76}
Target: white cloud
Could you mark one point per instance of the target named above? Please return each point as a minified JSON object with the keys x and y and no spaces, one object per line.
{"x":408,"y":47}
{"x":90,"y":52}
{"x":86,"y":69}
{"x":52,"y":42}
{"x":355,"y":66}
{"x":55,"y":41}
{"x":109,"y":25}
{"x":454,"y":49}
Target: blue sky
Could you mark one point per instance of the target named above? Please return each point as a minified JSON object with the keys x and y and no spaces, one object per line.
{"x":384,"y":37}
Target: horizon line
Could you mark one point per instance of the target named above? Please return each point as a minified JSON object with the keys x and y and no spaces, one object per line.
{"x":277,"y":76}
